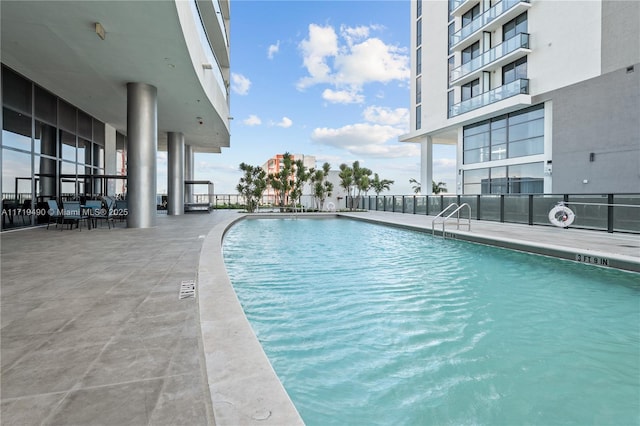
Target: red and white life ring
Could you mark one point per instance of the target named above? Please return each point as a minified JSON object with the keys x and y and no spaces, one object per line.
{"x":561,"y":216}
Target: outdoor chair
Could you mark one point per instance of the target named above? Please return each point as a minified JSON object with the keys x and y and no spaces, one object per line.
{"x":53,"y":213}
{"x":121,"y":209}
{"x":97,"y":211}
{"x":72,"y":213}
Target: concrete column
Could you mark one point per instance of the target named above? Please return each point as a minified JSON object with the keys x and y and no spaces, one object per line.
{"x":142,"y":134}
{"x":188,"y":173}
{"x":110,"y":163}
{"x":426,"y":166}
{"x":175,"y":173}
{"x":48,"y":167}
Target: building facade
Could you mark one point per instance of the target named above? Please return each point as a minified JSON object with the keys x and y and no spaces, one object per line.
{"x":538,"y":96}
{"x":92,"y":90}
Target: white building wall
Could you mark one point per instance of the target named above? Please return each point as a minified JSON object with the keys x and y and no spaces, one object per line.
{"x":435,"y":73}
{"x":565,"y":43}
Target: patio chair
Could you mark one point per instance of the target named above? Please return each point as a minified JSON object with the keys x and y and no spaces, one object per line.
{"x":72,"y":213}
{"x":97,"y":211}
{"x":53,"y":213}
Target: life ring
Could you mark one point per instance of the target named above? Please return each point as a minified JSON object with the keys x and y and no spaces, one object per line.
{"x":331,"y":207}
{"x":561,"y":216}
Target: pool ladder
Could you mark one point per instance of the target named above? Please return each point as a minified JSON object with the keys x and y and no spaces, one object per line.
{"x":456,"y":212}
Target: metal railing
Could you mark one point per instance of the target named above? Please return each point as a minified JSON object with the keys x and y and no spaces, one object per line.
{"x":603,"y":212}
{"x":456,"y":212}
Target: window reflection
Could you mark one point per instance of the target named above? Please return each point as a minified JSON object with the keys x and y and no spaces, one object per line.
{"x":16,"y":132}
{"x":67,"y":146}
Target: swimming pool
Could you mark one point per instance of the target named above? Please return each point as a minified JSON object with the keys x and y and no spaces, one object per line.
{"x":368,"y":324}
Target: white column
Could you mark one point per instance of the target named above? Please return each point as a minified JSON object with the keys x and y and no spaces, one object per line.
{"x":188,"y":173}
{"x":175,"y":173}
{"x":142,"y":135}
{"x":426,"y":165}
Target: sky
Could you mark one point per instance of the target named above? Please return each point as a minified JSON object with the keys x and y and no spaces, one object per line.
{"x":323,"y":78}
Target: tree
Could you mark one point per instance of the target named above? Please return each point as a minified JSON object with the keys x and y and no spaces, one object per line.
{"x":302,"y":176}
{"x":354,"y":180}
{"x":252,"y":185}
{"x":346,"y":180}
{"x":436,"y":188}
{"x":439,"y":187}
{"x":378,"y":185}
{"x":282,"y":181}
{"x":416,"y":186}
{"x":321,"y":186}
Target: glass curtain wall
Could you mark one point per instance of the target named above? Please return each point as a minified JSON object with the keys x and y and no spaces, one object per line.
{"x":50,"y":150}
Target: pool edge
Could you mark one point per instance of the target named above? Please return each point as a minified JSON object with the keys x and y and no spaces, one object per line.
{"x":243,"y":386}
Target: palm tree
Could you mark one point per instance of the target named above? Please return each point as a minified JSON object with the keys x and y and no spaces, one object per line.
{"x":378,"y":185}
{"x":436,"y":188}
{"x":439,"y":187}
{"x":416,"y":186}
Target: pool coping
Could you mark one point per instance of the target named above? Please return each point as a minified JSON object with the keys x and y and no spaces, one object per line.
{"x":584,"y":256}
{"x":244,"y":388}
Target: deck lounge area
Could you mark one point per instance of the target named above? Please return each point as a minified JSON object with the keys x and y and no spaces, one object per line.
{"x":93,"y":330}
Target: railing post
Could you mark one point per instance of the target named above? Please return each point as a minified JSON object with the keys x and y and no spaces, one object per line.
{"x":384,"y":203}
{"x":610,"y":213}
{"x":530,"y":209}
{"x":414,"y":204}
{"x":501,"y":208}
{"x":478,"y":215}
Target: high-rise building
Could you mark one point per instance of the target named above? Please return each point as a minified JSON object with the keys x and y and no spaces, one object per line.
{"x":92,"y":90}
{"x":538,"y":96}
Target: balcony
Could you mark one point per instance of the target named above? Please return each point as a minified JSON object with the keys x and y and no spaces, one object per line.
{"x":494,"y":57}
{"x":514,"y":88}
{"x":500,"y":10}
{"x":459,"y":7}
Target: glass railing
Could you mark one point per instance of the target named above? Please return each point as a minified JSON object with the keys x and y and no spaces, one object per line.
{"x":516,"y":87}
{"x":206,"y":45}
{"x":482,"y":20}
{"x":603,"y":212}
{"x":514,"y":43}
{"x":454,"y":4}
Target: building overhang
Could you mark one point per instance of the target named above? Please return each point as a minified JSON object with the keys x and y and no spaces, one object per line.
{"x":55,"y":44}
{"x":446,"y":132}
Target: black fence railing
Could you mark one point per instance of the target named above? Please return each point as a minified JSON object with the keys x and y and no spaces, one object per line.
{"x":604,"y":212}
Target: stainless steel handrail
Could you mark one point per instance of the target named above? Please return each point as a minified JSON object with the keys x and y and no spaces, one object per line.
{"x":440,"y":214}
{"x":457,"y":210}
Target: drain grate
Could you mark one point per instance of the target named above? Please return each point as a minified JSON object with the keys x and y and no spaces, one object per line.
{"x":187,"y":289}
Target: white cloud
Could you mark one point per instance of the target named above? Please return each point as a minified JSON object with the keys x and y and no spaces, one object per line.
{"x":240,"y":84}
{"x":383,"y":115}
{"x":285,"y":122}
{"x":252,"y":120}
{"x":322,"y":43}
{"x":351,"y":60}
{"x":372,"y":61}
{"x":365,"y":139}
{"x":353,"y":34}
{"x":273,"y":49}
{"x":342,"y":96}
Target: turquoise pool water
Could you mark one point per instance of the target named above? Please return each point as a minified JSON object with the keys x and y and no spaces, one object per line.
{"x":372,"y":325}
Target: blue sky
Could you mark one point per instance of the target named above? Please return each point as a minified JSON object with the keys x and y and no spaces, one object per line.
{"x":322,"y":78}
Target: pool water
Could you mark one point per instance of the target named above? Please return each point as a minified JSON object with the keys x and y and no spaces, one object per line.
{"x":373,"y":325}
